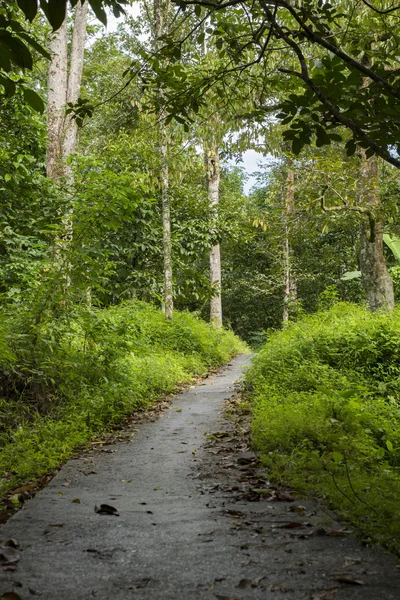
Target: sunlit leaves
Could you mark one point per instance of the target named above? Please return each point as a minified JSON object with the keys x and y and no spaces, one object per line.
{"x":83,"y":108}
{"x":17,"y":45}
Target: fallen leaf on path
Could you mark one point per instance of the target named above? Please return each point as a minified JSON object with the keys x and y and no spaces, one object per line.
{"x":244,"y":583}
{"x":126,"y":480}
{"x":350,"y":561}
{"x":249,"y":583}
{"x":324,"y":595}
{"x":236,"y":523}
{"x":65,"y":484}
{"x":234,"y":513}
{"x":219,"y":597}
{"x":291,"y":525}
{"x":346,"y":579}
{"x":207,"y":532}
{"x":76,"y":501}
{"x":275,"y":587}
{"x":284,"y":497}
{"x":8,"y":556}
{"x":141,"y":583}
{"x":263,"y":492}
{"x":106,"y":509}
{"x":214,"y":582}
{"x":11,"y":543}
{"x":331,"y":532}
{"x":56,"y":524}
{"x":297,"y":509}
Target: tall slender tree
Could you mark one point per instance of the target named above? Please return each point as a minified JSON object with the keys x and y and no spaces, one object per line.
{"x":290,"y":284}
{"x":64,"y":85}
{"x":70,"y":129}
{"x":377,"y":282}
{"x":213,"y":181}
{"x":57,"y":83}
{"x":161,"y":15}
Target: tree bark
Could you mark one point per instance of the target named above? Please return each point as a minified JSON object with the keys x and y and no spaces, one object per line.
{"x":290,"y":284}
{"x":213,"y":181}
{"x":161,"y":10}
{"x":57,"y":82}
{"x":376,"y":279}
{"x":61,"y":128}
{"x":70,"y":133}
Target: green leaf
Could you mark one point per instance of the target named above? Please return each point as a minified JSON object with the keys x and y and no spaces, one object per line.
{"x":5,"y":62}
{"x":322,"y":137}
{"x":29,"y":8}
{"x":9,"y":86}
{"x":99,"y":11}
{"x":389,"y":446}
{"x":350,"y":275}
{"x":337,"y":457}
{"x":33,"y":99}
{"x":297,"y":146}
{"x":57,"y":11}
{"x":32,"y":42}
{"x":335,"y":137}
{"x":19,"y":53}
{"x":393,"y":243}
{"x":350,"y":147}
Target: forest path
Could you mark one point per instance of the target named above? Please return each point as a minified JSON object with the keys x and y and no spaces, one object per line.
{"x":190,"y":525}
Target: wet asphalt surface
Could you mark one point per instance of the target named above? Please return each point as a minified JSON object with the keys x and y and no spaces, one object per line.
{"x":190,"y":524}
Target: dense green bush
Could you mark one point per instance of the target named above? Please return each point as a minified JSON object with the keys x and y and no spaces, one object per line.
{"x":66,"y":378}
{"x":326,"y":400}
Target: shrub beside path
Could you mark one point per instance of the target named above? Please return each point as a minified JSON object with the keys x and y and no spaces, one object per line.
{"x":196,"y":519}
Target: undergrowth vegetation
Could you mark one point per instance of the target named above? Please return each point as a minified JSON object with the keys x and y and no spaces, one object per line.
{"x":64,"y":379}
{"x":326,"y":401}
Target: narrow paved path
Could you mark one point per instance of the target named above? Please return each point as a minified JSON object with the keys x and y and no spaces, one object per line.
{"x":185,"y":529}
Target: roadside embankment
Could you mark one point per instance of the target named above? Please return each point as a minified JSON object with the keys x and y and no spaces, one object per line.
{"x":64,"y":379}
{"x":326,"y":399}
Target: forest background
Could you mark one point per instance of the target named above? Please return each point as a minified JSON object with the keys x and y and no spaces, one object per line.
{"x":122,"y":191}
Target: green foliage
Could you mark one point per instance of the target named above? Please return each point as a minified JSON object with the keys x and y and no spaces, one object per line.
{"x":67,"y":378}
{"x":326,"y":401}
{"x":19,"y":45}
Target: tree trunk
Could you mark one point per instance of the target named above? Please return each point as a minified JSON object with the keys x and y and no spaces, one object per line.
{"x":57,"y":83}
{"x":62,"y":128}
{"x":376,"y":279}
{"x":70,"y":133}
{"x":213,"y":180}
{"x":290,"y":284}
{"x":161,"y":10}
